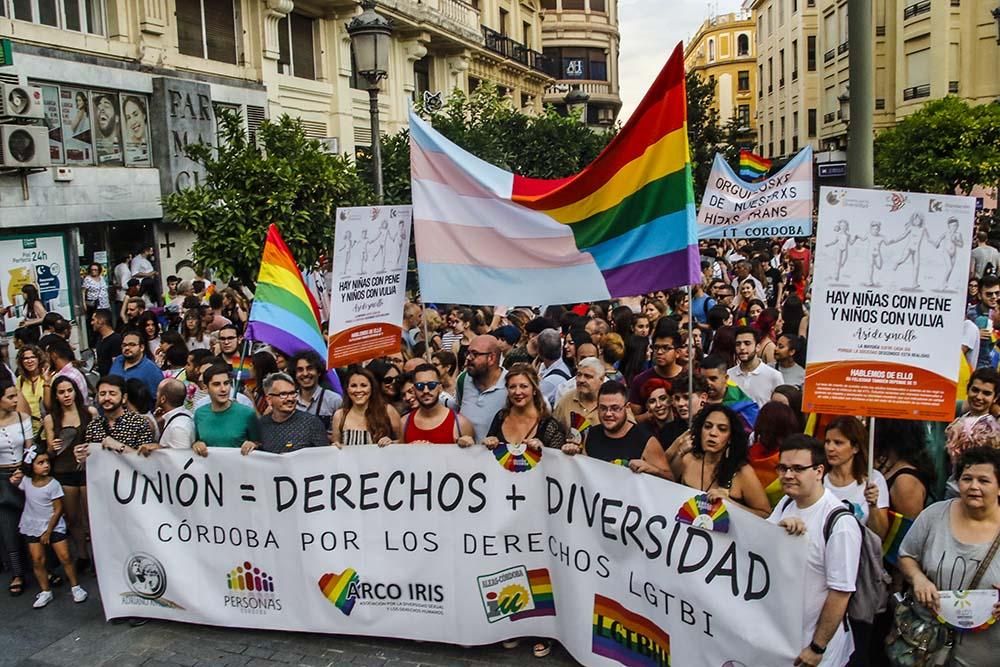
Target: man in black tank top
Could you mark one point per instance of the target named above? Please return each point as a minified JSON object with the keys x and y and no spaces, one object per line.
{"x":617,"y":440}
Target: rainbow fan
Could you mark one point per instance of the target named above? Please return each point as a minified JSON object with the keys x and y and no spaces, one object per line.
{"x":578,"y":422}
{"x":701,"y":512}
{"x":516,"y":458}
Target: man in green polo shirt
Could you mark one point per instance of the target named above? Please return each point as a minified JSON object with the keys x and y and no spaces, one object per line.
{"x":223,"y":422}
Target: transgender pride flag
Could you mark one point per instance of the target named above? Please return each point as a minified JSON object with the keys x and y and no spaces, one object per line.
{"x":623,"y":226}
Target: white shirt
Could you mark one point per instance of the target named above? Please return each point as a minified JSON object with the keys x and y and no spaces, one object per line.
{"x":759,"y":383}
{"x":970,"y":339}
{"x":178,"y":429}
{"x":854,"y":493}
{"x":122,"y":276}
{"x":830,"y":565}
{"x":141,"y":265}
{"x":760,"y":293}
{"x":552,"y":377}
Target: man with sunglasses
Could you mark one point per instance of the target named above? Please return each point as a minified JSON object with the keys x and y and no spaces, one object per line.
{"x":481,"y":389}
{"x":832,"y":565}
{"x":286,"y":428}
{"x":432,"y":422}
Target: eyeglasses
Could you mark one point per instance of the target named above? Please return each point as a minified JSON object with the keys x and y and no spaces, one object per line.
{"x":284,"y":395}
{"x":662,"y":348}
{"x":431,"y":386}
{"x":611,"y":409}
{"x":390,"y":380}
{"x":781,"y":468}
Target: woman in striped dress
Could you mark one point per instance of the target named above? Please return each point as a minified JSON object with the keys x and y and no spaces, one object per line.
{"x":364,"y":418}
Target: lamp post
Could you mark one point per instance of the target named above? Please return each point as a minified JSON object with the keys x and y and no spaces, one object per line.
{"x":370,"y":35}
{"x":861,"y":130}
{"x":576,"y":101}
{"x":996,"y":17}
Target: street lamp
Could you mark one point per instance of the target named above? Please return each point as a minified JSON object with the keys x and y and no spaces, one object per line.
{"x":576,"y":102}
{"x":996,"y":17}
{"x":370,"y":36}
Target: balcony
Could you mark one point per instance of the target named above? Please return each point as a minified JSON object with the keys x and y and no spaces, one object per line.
{"x":460,"y":12}
{"x":916,"y":9}
{"x":589,"y":87}
{"x":829,"y":118}
{"x":512,"y":50}
{"x":917,"y":92}
{"x":829,"y":55}
{"x":953,"y":87}
{"x":842,"y":49}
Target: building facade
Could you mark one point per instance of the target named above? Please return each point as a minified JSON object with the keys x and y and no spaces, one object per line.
{"x":580,"y":41}
{"x":124,"y":85}
{"x":724,"y":51}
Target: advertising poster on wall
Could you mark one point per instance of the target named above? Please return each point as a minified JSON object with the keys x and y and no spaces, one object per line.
{"x":136,"y":130}
{"x":74,"y":106}
{"x":106,"y":116}
{"x":888,"y":304}
{"x":371,"y":250}
{"x":780,"y":205}
{"x":53,"y":122}
{"x":39,"y":260}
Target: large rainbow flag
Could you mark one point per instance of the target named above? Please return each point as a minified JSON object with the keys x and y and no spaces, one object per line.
{"x":625,"y":225}
{"x":752,"y":165}
{"x":284,"y":313}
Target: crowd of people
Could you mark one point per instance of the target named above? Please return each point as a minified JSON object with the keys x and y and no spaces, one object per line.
{"x":701,"y":386}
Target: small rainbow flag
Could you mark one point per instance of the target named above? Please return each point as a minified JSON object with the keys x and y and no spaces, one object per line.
{"x":753,"y":166}
{"x":284,"y":313}
{"x":578,"y":422}
{"x":899,"y":525}
{"x":626,"y":637}
{"x":541,"y":594}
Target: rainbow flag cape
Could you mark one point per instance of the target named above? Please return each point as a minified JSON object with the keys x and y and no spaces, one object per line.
{"x":742,"y":404}
{"x":899,"y":525}
{"x":284,"y":313}
{"x":752,"y":165}
{"x":624,"y":225}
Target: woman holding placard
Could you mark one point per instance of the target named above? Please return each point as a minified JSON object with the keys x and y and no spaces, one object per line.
{"x":952,"y":547}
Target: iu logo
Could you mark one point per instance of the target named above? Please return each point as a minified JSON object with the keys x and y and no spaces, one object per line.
{"x":574,"y":68}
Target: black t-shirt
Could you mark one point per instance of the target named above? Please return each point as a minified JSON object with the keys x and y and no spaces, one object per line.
{"x":670,"y":432}
{"x":107,"y":349}
{"x":628,"y":447}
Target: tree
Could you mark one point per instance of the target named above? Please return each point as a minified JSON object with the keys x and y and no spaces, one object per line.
{"x":704,"y":133}
{"x":284,"y":178}
{"x":486,"y":124}
{"x":945,"y":147}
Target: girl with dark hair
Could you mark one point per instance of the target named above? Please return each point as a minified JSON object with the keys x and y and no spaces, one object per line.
{"x":64,"y":429}
{"x":718,"y":462}
{"x":387,"y":378}
{"x":791,"y":396}
{"x":622,"y":321}
{"x":792,"y":313}
{"x":193,"y":331}
{"x":775,"y":422}
{"x":34,"y":311}
{"x":636,"y":358}
{"x":901,"y":456}
{"x":364,"y":418}
{"x":141,"y":402}
{"x":15,"y":439}
{"x":149,"y":327}
{"x":724,"y":344}
{"x":171,"y":363}
{"x":846,"y":444}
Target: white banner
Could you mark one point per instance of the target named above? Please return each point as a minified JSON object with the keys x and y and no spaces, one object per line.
{"x":371,"y":249}
{"x":889,"y":287}
{"x":780,"y":205}
{"x":442,"y":544}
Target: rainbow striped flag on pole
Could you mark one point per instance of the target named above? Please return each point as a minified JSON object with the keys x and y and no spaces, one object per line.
{"x":753,"y":166}
{"x":284,"y":313}
{"x":625,"y":225}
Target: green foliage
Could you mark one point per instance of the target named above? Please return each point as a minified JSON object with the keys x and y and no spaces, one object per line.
{"x":945,"y":146}
{"x":704,"y":133}
{"x":487,"y":125}
{"x":287,"y":179}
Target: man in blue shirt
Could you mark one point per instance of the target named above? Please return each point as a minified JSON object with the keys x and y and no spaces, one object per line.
{"x":132,"y":363}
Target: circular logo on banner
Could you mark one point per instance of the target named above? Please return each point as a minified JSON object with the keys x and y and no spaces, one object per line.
{"x":146,"y":576}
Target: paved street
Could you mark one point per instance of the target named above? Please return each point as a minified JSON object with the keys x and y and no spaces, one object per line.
{"x":76,"y":635}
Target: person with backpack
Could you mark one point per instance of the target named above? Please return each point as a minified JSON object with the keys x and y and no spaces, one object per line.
{"x":834,"y":551}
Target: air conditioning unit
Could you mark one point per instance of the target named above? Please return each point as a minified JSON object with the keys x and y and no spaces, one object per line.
{"x":17,"y":101}
{"x":24,"y":146}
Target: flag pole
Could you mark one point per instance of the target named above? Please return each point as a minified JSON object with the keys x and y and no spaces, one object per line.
{"x":239,"y":371}
{"x":871,"y":448}
{"x":690,"y":345}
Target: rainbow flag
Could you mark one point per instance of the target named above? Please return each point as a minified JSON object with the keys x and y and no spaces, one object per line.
{"x":742,"y":404}
{"x":624,"y":225}
{"x":899,"y":525}
{"x":541,"y":594}
{"x":284,"y":313}
{"x":752,"y":165}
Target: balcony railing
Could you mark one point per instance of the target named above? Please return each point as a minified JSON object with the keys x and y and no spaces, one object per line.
{"x":460,"y":12}
{"x":842,"y":48}
{"x":830,"y":117}
{"x":916,"y":9}
{"x":512,"y":50}
{"x":953,"y":87}
{"x":829,"y":55}
{"x":917,"y":92}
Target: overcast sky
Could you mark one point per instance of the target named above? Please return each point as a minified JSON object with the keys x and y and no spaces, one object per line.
{"x":650,"y":29}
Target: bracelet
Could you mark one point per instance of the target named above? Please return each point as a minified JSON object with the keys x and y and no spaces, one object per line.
{"x":816,"y":648}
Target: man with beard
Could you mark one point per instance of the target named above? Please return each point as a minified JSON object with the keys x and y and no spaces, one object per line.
{"x":480,"y":389}
{"x":133,"y":363}
{"x":119,"y":427}
{"x":577,"y":410}
{"x":617,"y":440}
{"x":432,"y":422}
{"x":106,"y":112}
{"x":287,"y":429}
{"x":665,"y":366}
{"x":750,"y":373}
{"x":319,"y":401}
{"x":720,"y":389}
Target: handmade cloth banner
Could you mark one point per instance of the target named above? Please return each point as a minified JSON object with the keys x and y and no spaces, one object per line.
{"x":780,"y":205}
{"x":371,"y":249}
{"x":886,"y":322}
{"x":625,"y":225}
{"x":442,"y":544}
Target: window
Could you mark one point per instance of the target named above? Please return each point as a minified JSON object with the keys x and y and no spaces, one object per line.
{"x":783,"y":130}
{"x":743,"y":80}
{"x":795,"y":59}
{"x":795,"y":6}
{"x":770,"y":19}
{"x":207,"y":29}
{"x":504,"y":20}
{"x":75,"y":15}
{"x":760,"y":81}
{"x":297,"y":51}
{"x":743,"y":115}
{"x":742,"y":45}
{"x":812,"y":123}
{"x":711,"y":50}
{"x":548,"y":4}
{"x":422,"y":77}
{"x":578,"y":63}
{"x":811,"y":53}
{"x":573,"y":4}
{"x":781,"y":67}
{"x":526,"y":34}
{"x":781,"y":12}
{"x":770,"y":74}
{"x":598,"y":6}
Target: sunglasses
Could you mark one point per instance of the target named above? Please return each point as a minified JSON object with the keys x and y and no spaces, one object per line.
{"x":390,"y":380}
{"x":432,"y":385}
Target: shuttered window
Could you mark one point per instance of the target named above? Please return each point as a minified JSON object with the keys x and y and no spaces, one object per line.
{"x":207,"y":29}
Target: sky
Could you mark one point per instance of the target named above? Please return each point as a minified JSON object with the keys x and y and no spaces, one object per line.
{"x":650,"y":29}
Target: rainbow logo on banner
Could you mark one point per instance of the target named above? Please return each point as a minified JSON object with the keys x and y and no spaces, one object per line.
{"x":337,"y":589}
{"x":752,"y":165}
{"x":702,"y":512}
{"x":626,"y":637}
{"x":516,"y":458}
{"x":540,"y":584}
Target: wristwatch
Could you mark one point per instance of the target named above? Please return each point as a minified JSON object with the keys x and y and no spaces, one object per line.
{"x":816,"y":648}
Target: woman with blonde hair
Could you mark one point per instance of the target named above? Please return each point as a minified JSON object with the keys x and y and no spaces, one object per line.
{"x":612,"y":352}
